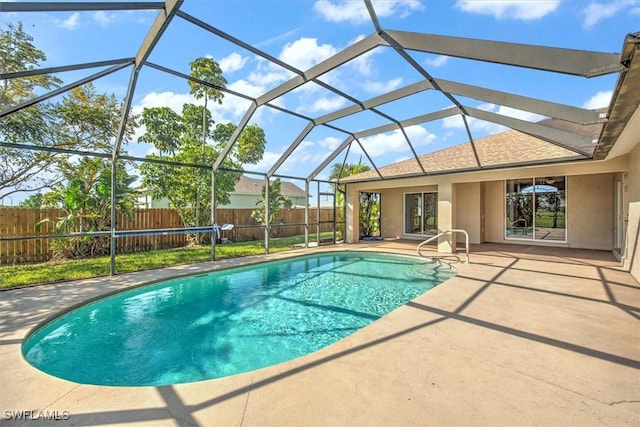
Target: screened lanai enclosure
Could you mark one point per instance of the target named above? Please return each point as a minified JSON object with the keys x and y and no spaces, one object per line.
{"x":173,"y":102}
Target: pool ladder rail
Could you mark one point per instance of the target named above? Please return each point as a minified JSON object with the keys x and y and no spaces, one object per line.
{"x":453,"y":230}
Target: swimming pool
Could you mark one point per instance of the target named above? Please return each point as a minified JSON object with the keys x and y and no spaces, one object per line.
{"x":227,"y":322}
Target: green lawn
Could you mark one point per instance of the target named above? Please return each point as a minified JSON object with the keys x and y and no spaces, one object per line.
{"x":545,"y":219}
{"x":15,"y":275}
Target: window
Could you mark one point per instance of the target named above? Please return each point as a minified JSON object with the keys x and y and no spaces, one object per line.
{"x":421,"y":213}
{"x":536,"y":209}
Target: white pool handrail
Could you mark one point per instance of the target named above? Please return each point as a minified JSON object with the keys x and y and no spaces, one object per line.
{"x":453,"y":230}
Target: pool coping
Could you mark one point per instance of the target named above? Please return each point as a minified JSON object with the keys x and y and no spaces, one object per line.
{"x":365,"y":378}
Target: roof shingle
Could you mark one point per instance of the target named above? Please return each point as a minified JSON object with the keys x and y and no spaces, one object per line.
{"x":505,"y":148}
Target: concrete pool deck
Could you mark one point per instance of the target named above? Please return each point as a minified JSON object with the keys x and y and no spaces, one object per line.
{"x":523,"y":335}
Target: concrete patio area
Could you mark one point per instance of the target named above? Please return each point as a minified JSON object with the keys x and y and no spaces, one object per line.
{"x":523,"y":335}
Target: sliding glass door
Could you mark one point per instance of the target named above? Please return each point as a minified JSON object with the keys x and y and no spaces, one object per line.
{"x":536,"y":209}
{"x":421,"y":213}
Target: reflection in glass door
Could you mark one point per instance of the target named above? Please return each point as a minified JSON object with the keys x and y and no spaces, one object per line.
{"x":430,"y":213}
{"x":413,"y":213}
{"x":421,"y":213}
{"x":536,"y":209}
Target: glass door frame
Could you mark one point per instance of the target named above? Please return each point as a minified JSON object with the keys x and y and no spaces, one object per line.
{"x":422,"y":212}
{"x":534,"y":195}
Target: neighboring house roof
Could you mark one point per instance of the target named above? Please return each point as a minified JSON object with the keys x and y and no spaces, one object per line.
{"x":505,"y":148}
{"x":248,"y":185}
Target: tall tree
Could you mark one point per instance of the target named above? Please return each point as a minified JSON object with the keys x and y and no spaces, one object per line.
{"x":88,"y":120}
{"x":24,"y":170}
{"x":183,"y":186}
{"x":208,"y":70}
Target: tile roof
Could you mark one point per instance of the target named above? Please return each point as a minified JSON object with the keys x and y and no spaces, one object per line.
{"x":505,"y":148}
{"x":248,"y":185}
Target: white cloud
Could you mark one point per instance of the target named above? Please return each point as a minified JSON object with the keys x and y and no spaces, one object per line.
{"x":233,"y":62}
{"x":305,"y":52}
{"x":599,"y":100}
{"x":385,"y":143}
{"x":330,"y":142}
{"x":519,"y":114}
{"x":231,"y":109}
{"x":437,"y":61}
{"x":524,"y":10}
{"x":268,"y":78}
{"x":362,"y":64}
{"x":246,"y":88}
{"x":307,"y":154}
{"x":356,"y":11}
{"x":173,"y":100}
{"x":103,"y":18}
{"x":322,"y":104}
{"x":596,"y":12}
{"x":71,"y":23}
{"x":456,"y":122}
{"x":267,"y":73}
{"x":269,"y":158}
{"x":383,"y":87}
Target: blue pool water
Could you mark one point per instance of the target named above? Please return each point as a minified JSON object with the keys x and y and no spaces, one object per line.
{"x":227,"y":322}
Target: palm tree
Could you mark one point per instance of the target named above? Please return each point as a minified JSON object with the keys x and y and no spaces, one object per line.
{"x":208,"y":70}
{"x":368,"y":201}
{"x":339,"y":171}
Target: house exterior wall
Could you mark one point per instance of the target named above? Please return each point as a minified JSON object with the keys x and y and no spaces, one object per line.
{"x":590,"y":211}
{"x":589,"y":201}
{"x":631,"y":259}
{"x":392,"y":223}
{"x":494,"y":211}
{"x":468,"y":210}
{"x":242,"y":201}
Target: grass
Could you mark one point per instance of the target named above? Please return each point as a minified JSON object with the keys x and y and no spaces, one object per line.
{"x":545,"y":219}
{"x":17,"y":275}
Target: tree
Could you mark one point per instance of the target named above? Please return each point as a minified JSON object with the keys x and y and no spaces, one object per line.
{"x":208,"y":70}
{"x":85,"y":198}
{"x":87,"y":120}
{"x":83,"y":120}
{"x":277,"y":202}
{"x":24,"y":170}
{"x":369,"y":202}
{"x":339,"y":171}
{"x":34,"y":201}
{"x":185,"y":187}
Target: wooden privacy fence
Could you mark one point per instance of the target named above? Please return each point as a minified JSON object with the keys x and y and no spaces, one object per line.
{"x":245,"y":229}
{"x":21,"y":222}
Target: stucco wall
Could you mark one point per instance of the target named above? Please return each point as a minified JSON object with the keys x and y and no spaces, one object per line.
{"x":590,"y":200}
{"x":590,"y":211}
{"x":494,"y":211}
{"x":392,"y":209}
{"x":632,"y":255}
{"x":391,"y":224}
{"x":468,"y":210}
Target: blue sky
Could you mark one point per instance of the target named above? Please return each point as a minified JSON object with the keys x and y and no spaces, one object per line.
{"x":303,"y":33}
